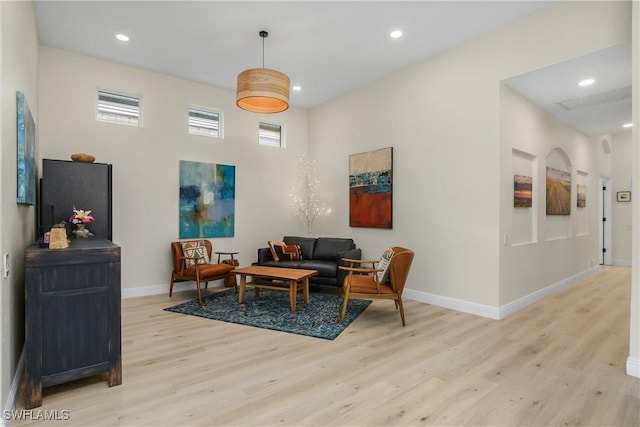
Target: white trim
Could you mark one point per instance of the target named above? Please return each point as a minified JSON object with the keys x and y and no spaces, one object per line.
{"x":453,"y":303}
{"x":12,"y":397}
{"x":492,"y":312}
{"x":633,"y":366}
{"x":621,"y":262}
{"x":519,"y":304}
{"x":146,"y":291}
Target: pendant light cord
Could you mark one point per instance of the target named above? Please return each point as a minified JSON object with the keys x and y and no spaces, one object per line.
{"x":264,"y":35}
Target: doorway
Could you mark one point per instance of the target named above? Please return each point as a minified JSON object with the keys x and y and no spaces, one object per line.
{"x":604,"y":221}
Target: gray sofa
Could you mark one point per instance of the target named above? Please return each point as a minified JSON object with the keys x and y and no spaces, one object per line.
{"x":323,"y":254}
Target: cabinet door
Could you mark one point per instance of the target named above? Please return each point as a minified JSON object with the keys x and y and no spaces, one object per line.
{"x":75,"y":330}
{"x":66,"y":184}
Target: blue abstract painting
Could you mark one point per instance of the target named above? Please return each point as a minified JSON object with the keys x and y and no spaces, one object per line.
{"x":207,"y":200}
{"x":26,"y":152}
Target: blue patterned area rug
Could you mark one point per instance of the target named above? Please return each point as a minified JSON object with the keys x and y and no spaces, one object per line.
{"x":320,"y":318}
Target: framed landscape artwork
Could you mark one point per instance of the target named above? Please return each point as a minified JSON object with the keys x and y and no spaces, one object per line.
{"x":582,"y":196}
{"x":522,"y":191}
{"x":558,"y":192}
{"x":26,"y":159}
{"x":623,"y":196}
{"x":371,"y":189}
{"x":207,"y":200}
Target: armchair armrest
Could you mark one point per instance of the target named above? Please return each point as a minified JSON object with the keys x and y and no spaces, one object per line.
{"x":352,"y":256}
{"x":183,"y":258}
{"x":361,"y":261}
{"x":361,"y":269}
{"x":231,"y":259}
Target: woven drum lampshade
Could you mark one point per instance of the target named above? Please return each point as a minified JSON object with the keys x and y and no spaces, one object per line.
{"x":262,"y":90}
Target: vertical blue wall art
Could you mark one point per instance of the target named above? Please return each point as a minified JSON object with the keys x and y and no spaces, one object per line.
{"x":26,"y":152}
{"x":207,"y":200}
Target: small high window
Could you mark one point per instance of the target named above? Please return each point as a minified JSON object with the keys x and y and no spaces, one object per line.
{"x":205,"y":122}
{"x":118,"y":108}
{"x":271,"y":134}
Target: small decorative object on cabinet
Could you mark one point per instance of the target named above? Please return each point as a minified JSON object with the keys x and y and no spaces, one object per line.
{"x":72,"y":315}
{"x":80,"y":218}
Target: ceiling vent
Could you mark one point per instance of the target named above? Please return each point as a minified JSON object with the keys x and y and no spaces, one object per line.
{"x":596,"y":99}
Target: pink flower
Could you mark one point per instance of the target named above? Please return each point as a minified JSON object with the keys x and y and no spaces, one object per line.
{"x":81,"y":216}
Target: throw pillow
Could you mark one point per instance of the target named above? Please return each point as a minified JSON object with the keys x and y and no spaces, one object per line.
{"x":385,"y":261}
{"x":195,"y":252}
{"x":282,"y":251}
{"x":293,"y":251}
{"x":274,"y":252}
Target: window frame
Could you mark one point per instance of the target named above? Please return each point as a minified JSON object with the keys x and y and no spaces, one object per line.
{"x":282,"y":134}
{"x":105,"y":119}
{"x":206,"y":110}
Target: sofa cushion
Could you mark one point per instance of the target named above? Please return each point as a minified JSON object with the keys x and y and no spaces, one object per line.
{"x":324,"y":268}
{"x":307,"y":245}
{"x":331,"y":248}
{"x":283,"y":264}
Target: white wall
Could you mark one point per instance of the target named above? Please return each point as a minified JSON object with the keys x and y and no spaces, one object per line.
{"x":19,"y":70}
{"x":633,"y":362}
{"x":558,"y":246}
{"x":621,"y":155}
{"x":146,"y":159}
{"x":442,"y":117}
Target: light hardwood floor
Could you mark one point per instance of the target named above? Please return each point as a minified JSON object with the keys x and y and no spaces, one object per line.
{"x":559,"y":362}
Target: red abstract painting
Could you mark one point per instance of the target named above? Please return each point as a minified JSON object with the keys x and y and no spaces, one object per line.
{"x":370,"y":189}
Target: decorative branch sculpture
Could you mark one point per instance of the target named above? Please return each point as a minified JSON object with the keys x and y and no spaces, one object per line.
{"x":306,"y":199}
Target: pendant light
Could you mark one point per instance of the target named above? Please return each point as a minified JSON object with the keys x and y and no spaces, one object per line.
{"x":261,"y":90}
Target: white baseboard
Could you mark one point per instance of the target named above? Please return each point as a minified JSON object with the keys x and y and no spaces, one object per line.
{"x":621,"y":262}
{"x":519,"y":304}
{"x":492,"y":312}
{"x":633,"y":367}
{"x":452,"y":303}
{"x":12,"y":397}
{"x":146,"y":291}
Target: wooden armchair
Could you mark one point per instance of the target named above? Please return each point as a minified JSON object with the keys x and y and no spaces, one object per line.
{"x":191,"y":262}
{"x":362,"y":282}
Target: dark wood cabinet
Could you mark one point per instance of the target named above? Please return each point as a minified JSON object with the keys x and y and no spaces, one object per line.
{"x":86,"y":186}
{"x":72,"y":310}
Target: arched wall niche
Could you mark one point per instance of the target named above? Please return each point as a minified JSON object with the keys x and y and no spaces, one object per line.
{"x":558,"y":159}
{"x":558,"y":204}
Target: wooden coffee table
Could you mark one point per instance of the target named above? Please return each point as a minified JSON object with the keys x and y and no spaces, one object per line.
{"x":282,"y":279}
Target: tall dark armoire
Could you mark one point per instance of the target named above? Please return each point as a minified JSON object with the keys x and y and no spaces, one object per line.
{"x":66,"y":184}
{"x":72,"y":294}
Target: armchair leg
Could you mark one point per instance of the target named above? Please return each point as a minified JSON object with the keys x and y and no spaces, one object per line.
{"x":399,"y":303}
{"x":345,"y":302}
{"x":171,"y":286}
{"x":199,"y":293}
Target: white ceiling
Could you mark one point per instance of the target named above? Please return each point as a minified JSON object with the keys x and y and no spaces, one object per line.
{"x":599,"y":109}
{"x":327,"y":47}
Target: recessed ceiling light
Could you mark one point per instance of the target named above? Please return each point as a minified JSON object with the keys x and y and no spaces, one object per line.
{"x":586,"y":82}
{"x":627,"y":125}
{"x":122,"y":37}
{"x":297,"y":88}
{"x":396,"y":34}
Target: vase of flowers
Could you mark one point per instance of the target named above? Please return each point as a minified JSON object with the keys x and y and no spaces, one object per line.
{"x":81,"y":218}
